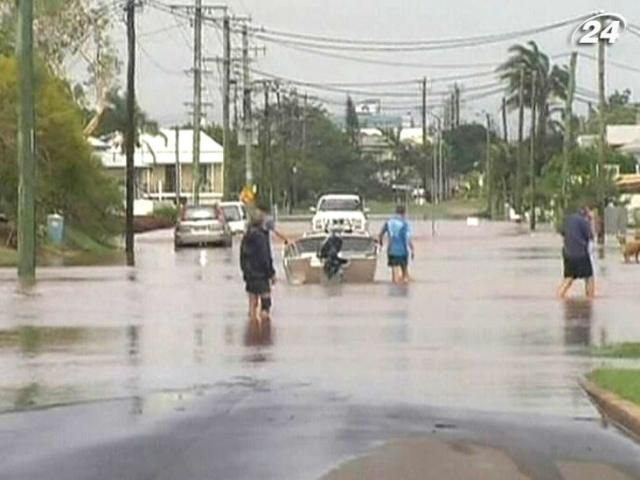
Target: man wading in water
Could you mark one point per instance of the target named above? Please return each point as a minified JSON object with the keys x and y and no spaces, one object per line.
{"x":577,"y":233}
{"x":256,"y":263}
{"x":400,"y":245}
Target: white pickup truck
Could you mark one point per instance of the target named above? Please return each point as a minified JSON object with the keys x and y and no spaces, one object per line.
{"x":339,"y":211}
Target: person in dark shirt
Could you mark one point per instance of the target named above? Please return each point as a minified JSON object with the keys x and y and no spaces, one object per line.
{"x":577,"y":233}
{"x":256,"y":263}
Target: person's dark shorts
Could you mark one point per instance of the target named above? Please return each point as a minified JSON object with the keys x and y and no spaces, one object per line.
{"x":577,"y":267}
{"x":258,"y":286}
{"x":398,"y":261}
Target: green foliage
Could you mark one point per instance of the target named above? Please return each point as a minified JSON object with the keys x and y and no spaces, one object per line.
{"x":69,"y":179}
{"x":167,"y":212}
{"x":623,"y":382}
{"x":114,"y":118}
{"x":320,"y":160}
{"x":619,"y":350}
{"x":582,"y":184}
{"x":61,"y":27}
{"x":619,"y":111}
{"x":467,"y":145}
{"x":352,"y":123}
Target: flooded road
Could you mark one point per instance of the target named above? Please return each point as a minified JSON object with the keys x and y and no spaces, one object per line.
{"x":476,"y":353}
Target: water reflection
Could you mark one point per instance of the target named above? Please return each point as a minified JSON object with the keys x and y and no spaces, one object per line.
{"x":258,"y":333}
{"x":578,"y":316}
{"x":133,"y":344}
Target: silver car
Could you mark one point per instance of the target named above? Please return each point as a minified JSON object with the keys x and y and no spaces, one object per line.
{"x":202,"y":225}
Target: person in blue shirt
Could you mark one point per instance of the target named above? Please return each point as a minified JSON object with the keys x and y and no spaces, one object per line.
{"x":400,"y":245}
{"x":577,"y":233}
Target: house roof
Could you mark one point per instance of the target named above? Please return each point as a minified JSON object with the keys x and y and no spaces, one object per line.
{"x":159,"y":149}
{"x":618,"y":135}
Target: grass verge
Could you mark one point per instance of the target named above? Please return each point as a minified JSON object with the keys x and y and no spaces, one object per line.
{"x":454,"y":209}
{"x":8,"y":257}
{"x":619,"y":350}
{"x":623,"y":382}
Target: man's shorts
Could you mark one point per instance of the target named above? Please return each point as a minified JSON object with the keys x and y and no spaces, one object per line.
{"x":577,"y":267}
{"x":258,"y":286}
{"x":398,"y":261}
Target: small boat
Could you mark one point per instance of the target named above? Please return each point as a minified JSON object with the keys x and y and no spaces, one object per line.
{"x":303,"y":265}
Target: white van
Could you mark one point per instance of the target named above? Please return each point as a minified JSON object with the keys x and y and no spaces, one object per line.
{"x":236,"y":215}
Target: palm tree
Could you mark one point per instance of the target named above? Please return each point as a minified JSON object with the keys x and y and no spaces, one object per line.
{"x":542,"y":83}
{"x":551,"y":82}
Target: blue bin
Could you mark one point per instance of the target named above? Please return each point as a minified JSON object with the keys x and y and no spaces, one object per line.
{"x":55,"y":229}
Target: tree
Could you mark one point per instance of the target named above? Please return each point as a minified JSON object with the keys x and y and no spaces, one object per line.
{"x":620,"y":111}
{"x":70,"y":180}
{"x":582,"y":184}
{"x":114,"y":116}
{"x":467,"y":145}
{"x":325,"y":160}
{"x":352,"y":123}
{"x":551,"y":82}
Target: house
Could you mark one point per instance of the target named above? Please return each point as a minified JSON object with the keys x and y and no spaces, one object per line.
{"x":623,"y":138}
{"x":162,"y":161}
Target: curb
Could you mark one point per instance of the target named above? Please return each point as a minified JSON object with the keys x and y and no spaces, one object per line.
{"x":621,"y":412}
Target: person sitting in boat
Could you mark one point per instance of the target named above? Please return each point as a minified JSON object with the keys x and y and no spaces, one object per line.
{"x":330,"y":253}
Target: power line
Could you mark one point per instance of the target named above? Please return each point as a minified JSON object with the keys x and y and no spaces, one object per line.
{"x":414,"y":44}
{"x":331,"y":88}
{"x":622,"y":66}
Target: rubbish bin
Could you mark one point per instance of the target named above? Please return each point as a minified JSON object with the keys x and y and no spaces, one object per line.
{"x":55,"y":228}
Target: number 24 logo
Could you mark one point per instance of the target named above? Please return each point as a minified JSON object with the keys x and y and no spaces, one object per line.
{"x":605,"y":27}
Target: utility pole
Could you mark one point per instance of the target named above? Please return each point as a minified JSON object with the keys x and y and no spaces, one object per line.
{"x":456,"y":91}
{"x":178,"y":180}
{"x":441,"y":169}
{"x":434,"y":162}
{"x":226,"y":87}
{"x":26,"y":145}
{"x":488,"y":171}
{"x":246,"y":102}
{"x":602,"y":152}
{"x":197,"y":98}
{"x":424,"y":130}
{"x":266,"y":148}
{"x":520,"y":159}
{"x":567,"y":144}
{"x":505,"y":131}
{"x":532,"y":159}
{"x":130,"y":134}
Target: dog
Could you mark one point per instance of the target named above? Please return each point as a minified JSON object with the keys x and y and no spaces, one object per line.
{"x":630,"y":249}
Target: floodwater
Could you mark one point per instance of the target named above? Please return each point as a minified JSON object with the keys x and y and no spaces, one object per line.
{"x":478,"y":330}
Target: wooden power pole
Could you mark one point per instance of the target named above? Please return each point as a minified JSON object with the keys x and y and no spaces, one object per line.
{"x":489,"y":171}
{"x":197,"y":99}
{"x":226,"y":104}
{"x":130,"y":134}
{"x":424,"y":130}
{"x":520,"y":159}
{"x":532,"y":153}
{"x":26,"y":145}
{"x":602,"y":152}
{"x":246,"y":107}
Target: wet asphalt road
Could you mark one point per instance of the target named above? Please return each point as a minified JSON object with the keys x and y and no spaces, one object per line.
{"x":155,"y":373}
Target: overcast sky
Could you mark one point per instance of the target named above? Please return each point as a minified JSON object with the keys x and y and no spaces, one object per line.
{"x":163,"y":87}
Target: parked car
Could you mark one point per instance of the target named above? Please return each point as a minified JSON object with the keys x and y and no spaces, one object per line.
{"x":339,"y":211}
{"x":235,"y":213}
{"x":202,"y":225}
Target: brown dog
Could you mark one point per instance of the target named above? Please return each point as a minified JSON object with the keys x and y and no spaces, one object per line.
{"x":630,"y":249}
